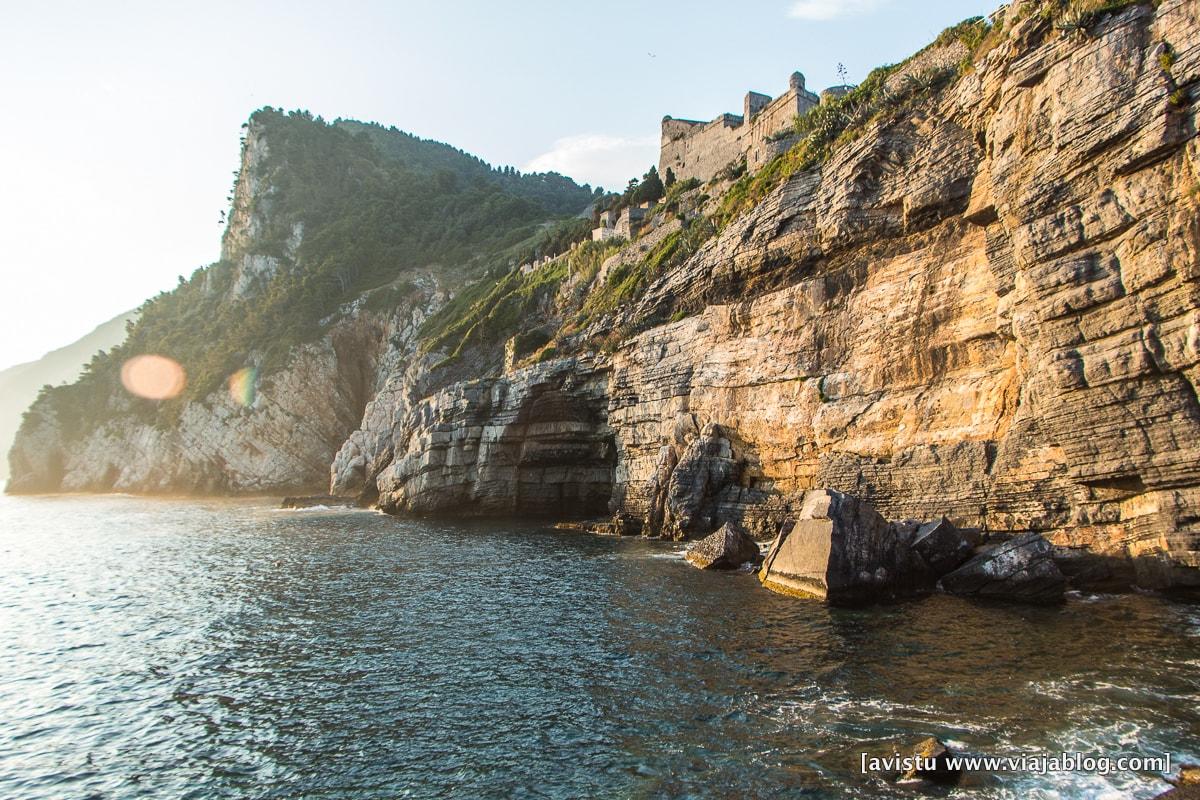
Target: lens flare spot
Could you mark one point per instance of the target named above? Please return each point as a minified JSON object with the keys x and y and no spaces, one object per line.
{"x":243,"y":386}
{"x":153,"y":377}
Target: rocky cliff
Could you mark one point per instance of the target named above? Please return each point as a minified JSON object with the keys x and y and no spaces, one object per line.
{"x":983,"y":306}
{"x":969,"y":289}
{"x":340,"y":240}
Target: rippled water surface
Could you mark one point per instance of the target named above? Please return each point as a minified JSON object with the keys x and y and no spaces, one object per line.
{"x":155,"y":648}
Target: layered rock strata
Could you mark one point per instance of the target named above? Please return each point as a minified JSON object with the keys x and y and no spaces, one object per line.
{"x":984,"y":306}
{"x":987,"y":308}
{"x":535,"y":443}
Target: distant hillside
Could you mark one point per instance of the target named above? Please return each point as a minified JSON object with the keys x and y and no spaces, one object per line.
{"x":969,"y":287}
{"x":328,"y":221}
{"x":19,"y":385}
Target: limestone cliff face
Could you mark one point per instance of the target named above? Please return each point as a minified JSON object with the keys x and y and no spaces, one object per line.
{"x":984,"y":305}
{"x":534,"y":443}
{"x":987,"y":308}
{"x":282,"y":436}
{"x":282,"y":442}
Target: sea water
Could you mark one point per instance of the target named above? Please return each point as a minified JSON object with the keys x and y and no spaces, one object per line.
{"x":183,"y":648}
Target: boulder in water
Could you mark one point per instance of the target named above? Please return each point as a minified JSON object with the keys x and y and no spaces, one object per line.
{"x":942,"y":546}
{"x":841,"y":550}
{"x":1187,"y":784}
{"x":933,"y":763}
{"x":314,"y":500}
{"x":728,"y":548}
{"x":1022,"y":569}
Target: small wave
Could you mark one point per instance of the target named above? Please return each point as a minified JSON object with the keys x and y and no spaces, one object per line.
{"x":324,"y":509}
{"x":1091,"y":597}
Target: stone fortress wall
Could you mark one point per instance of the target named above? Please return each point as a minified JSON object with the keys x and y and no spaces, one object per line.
{"x":693,"y":149}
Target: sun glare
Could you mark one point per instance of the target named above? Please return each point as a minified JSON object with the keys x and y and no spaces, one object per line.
{"x":153,"y":377}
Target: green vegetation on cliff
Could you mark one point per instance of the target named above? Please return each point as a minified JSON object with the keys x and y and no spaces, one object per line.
{"x":349,"y":210}
{"x":838,"y":120}
{"x":372,"y":207}
{"x":489,"y":313}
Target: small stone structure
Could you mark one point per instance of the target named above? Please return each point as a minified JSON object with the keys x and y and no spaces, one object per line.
{"x":623,"y":225}
{"x":693,"y":149}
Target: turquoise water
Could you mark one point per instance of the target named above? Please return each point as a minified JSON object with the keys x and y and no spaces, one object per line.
{"x":156,"y":648}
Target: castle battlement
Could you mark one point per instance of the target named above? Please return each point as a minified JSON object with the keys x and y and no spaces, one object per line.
{"x":694,"y":149}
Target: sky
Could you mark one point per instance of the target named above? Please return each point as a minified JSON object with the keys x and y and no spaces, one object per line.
{"x":122,"y":120}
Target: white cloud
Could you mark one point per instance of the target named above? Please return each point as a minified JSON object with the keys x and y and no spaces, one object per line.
{"x":821,"y":10}
{"x":598,"y":159}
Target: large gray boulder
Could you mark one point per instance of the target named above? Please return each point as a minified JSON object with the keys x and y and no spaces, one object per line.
{"x":728,"y":548}
{"x":1022,"y":569}
{"x":841,"y":550}
{"x":943,"y":546}
{"x":706,"y":466}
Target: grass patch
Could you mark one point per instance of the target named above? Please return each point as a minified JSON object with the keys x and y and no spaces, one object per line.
{"x":391,"y":296}
{"x":839,"y":120}
{"x":627,"y":281}
{"x":487,"y":313}
{"x":1078,"y":16}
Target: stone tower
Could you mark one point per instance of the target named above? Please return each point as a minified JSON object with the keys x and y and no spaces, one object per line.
{"x":753,"y":104}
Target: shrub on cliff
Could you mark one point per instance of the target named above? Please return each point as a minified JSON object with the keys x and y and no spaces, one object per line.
{"x":628,"y":280}
{"x":486,"y":313}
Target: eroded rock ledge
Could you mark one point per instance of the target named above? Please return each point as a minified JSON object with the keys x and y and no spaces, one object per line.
{"x":985,"y":307}
{"x":533,"y":443}
{"x":989,"y":309}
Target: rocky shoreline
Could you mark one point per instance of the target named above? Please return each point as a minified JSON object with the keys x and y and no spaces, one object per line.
{"x":983,"y":306}
{"x":842,"y":551}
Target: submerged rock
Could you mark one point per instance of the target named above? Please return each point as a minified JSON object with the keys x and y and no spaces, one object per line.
{"x":841,"y":550}
{"x":728,"y":548}
{"x":619,"y":525}
{"x":1187,"y":784}
{"x":1022,"y":569}
{"x":933,"y":763}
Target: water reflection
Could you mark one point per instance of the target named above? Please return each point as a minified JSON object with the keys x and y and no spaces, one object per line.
{"x":228,"y":649}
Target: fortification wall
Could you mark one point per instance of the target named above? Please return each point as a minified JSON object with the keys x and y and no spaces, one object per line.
{"x":763,"y":152}
{"x":702,"y":152}
{"x":777,"y":116}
